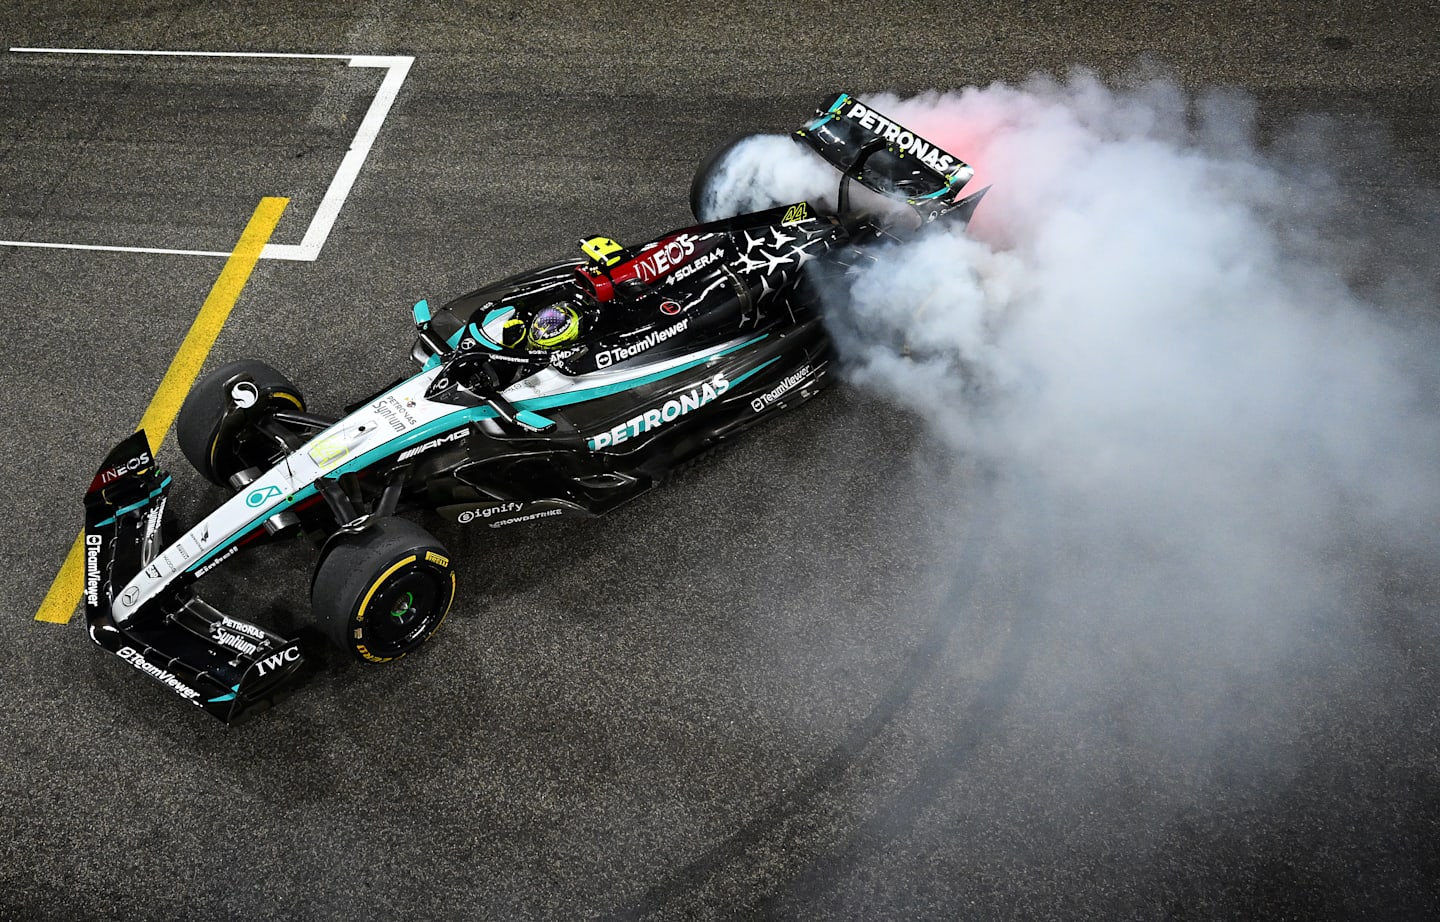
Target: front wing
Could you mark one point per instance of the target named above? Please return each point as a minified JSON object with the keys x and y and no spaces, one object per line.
{"x":225,"y":666}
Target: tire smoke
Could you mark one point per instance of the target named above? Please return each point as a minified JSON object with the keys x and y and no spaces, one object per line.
{"x":1162,"y":325}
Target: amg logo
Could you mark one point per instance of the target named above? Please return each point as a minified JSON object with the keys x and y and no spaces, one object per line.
{"x":433,"y":443}
{"x":904,"y":139}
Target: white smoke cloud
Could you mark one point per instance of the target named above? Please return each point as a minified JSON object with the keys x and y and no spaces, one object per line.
{"x":1150,"y":319}
{"x":765,"y":170}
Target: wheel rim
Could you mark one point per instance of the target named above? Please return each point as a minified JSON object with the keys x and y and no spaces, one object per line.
{"x":226,"y":460}
{"x":405,"y":608}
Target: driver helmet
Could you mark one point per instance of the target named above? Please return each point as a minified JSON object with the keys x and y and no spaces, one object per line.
{"x":554,"y":326}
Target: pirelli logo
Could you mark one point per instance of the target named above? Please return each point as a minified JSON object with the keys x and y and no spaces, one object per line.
{"x":440,"y":560}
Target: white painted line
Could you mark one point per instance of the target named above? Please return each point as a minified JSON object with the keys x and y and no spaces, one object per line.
{"x":189,"y":54}
{"x":91,"y":246}
{"x":329,"y":210}
{"x":325,"y":216}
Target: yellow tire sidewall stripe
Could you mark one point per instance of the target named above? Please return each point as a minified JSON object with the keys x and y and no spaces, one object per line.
{"x":375,"y":586}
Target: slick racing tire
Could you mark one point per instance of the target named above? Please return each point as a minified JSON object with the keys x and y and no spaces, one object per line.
{"x":217,"y":455}
{"x":722,"y":190}
{"x":383,"y":592}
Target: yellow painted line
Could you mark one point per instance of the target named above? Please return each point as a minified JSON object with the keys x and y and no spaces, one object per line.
{"x":187,"y":362}
{"x":64,"y":595}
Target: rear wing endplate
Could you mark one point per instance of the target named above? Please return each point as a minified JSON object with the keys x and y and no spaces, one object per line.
{"x":888,"y":158}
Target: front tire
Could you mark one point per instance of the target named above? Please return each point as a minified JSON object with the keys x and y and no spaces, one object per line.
{"x":383,"y":592}
{"x":199,"y":428}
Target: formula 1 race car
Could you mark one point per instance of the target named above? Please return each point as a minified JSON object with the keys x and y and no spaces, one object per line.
{"x":559,"y":392}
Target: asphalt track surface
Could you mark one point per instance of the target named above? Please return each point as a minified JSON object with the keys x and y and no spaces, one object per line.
{"x":804,"y":681}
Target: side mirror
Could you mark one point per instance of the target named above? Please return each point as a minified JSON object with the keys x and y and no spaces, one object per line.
{"x":429,"y":347}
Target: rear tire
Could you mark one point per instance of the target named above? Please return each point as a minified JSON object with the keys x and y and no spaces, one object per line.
{"x":197,"y":428}
{"x":383,"y":592}
{"x":705,"y":204}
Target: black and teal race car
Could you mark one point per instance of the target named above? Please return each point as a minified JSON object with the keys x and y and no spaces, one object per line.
{"x":557,"y":393}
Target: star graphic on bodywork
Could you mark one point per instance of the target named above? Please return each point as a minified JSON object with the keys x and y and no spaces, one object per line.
{"x":803,"y":254}
{"x":775,"y":259}
{"x":750,"y":265}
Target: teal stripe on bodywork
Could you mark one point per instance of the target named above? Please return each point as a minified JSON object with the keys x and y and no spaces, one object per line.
{"x":605,"y":390}
{"x":465,"y":415}
{"x":460,"y":417}
{"x":230,"y":697}
{"x":301,"y":494}
{"x":499,"y":313}
{"x":830,"y":113}
{"x":454,"y":341}
{"x":534,"y":420}
{"x":949,"y":188}
{"x":154,"y":495}
{"x":756,"y":370}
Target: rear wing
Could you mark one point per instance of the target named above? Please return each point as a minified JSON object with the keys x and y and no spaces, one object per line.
{"x":888,"y":158}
